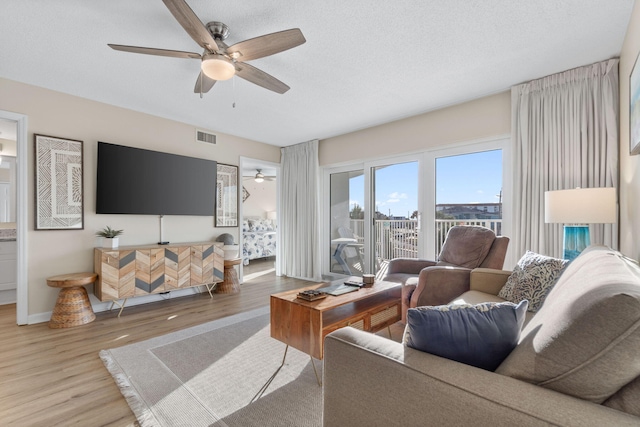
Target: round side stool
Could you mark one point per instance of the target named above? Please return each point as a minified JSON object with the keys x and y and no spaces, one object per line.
{"x":72,"y":306}
{"x":231,"y":284}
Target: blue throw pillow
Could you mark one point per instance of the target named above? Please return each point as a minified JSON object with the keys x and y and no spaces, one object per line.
{"x":480,"y":335}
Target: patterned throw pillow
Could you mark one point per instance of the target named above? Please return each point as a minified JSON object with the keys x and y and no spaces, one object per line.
{"x":479,"y":335}
{"x":532,"y":279}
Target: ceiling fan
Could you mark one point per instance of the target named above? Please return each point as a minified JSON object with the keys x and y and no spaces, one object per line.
{"x":260,"y":177}
{"x":219,"y":61}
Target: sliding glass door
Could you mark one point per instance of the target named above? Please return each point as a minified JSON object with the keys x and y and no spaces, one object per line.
{"x":469,"y":192}
{"x":402,"y":207}
{"x":347,"y":219}
{"x":468,"y":188}
{"x":396,"y":228}
{"x":373,"y":215}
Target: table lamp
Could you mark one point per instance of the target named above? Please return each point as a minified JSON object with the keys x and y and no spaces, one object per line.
{"x":576,"y":209}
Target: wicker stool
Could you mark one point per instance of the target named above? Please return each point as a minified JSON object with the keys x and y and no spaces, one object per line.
{"x":72,"y":306}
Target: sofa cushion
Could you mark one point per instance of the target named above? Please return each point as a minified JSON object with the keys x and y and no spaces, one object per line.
{"x":478,"y":297}
{"x":627,"y":399}
{"x":585,"y":339}
{"x":466,"y":246}
{"x":532,"y":279}
{"x":480,"y":335}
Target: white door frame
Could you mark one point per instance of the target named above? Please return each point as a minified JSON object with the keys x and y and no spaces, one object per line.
{"x":22,"y":291}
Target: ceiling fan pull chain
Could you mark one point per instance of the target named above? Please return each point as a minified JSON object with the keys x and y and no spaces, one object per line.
{"x":234,"y":91}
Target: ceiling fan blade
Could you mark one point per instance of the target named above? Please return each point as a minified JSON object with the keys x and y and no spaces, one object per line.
{"x":268,"y":44}
{"x":153,"y":51}
{"x":192,"y":24}
{"x":203,"y":83}
{"x":259,"y":77}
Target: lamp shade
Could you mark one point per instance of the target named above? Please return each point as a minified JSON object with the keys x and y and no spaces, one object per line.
{"x":218,"y":67}
{"x":580,"y":206}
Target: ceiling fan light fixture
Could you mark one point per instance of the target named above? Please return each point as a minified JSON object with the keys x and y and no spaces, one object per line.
{"x":218,"y":67}
{"x":259,"y":177}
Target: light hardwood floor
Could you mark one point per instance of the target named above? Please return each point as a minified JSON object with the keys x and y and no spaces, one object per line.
{"x":54,"y":377}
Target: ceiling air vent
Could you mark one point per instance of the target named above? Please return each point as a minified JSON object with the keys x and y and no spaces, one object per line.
{"x":202,"y":136}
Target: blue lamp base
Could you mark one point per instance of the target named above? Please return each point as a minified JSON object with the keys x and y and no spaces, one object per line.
{"x":576,"y":239}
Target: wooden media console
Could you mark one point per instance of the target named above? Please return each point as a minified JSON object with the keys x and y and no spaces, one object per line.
{"x":132,"y":271}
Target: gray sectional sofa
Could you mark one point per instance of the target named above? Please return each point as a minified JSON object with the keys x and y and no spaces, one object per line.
{"x":577,"y":362}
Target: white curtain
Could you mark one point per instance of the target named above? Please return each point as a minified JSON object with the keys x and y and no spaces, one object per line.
{"x":300,"y":211}
{"x":565,"y":134}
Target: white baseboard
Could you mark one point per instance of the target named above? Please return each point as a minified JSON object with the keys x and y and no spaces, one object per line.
{"x":99,"y":306}
{"x":8,"y":296}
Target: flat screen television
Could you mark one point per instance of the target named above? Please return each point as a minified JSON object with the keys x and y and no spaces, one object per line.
{"x":144,"y":182}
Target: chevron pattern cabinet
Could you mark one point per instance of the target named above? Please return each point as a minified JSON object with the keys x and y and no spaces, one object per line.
{"x":131,"y":271}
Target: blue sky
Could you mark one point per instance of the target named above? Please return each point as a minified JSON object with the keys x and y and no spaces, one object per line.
{"x":467,"y":178}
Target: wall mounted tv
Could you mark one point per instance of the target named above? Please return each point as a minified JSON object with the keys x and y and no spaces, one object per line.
{"x":144,"y":182}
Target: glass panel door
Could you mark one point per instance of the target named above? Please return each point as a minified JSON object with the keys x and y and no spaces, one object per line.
{"x":373,"y":215}
{"x":468,"y":192}
{"x":347,"y":219}
{"x":396,"y":219}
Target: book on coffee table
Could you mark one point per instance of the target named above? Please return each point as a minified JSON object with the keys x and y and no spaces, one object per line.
{"x":311,"y":295}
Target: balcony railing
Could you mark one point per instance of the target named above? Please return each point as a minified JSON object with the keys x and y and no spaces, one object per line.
{"x":399,"y":238}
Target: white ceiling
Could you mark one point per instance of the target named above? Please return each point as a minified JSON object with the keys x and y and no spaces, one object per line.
{"x":364,"y":63}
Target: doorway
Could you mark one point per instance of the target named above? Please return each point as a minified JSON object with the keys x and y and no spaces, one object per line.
{"x":259,"y":232}
{"x":17,"y":123}
{"x":8,"y":232}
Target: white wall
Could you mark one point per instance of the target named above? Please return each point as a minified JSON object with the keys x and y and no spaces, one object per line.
{"x":262,"y":198}
{"x":629,"y":165}
{"x":478,"y":119}
{"x":57,"y":114}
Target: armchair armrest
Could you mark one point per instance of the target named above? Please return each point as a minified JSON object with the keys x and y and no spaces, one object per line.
{"x":488,"y":280}
{"x":372,"y":381}
{"x":408,"y":265}
{"x":439,"y":285}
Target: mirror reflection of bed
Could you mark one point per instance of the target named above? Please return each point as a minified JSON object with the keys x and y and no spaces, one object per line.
{"x":258,"y":247}
{"x":258,"y":230}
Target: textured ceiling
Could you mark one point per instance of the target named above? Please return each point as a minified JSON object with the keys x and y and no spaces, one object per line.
{"x":364,"y":63}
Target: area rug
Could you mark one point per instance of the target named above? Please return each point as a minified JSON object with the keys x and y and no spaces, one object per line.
{"x":208,"y":375}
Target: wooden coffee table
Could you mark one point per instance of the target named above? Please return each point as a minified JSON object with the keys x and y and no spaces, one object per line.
{"x":304,"y":324}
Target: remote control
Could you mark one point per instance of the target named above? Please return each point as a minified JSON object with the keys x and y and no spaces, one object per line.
{"x":352,"y":283}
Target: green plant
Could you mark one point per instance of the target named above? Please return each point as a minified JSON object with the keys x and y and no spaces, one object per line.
{"x":109,"y":232}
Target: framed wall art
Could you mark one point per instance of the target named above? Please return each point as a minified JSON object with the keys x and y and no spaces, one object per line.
{"x":227,"y":196}
{"x":634,"y":109}
{"x":59,"y":187}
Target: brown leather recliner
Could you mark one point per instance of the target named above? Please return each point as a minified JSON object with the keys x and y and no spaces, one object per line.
{"x":438,"y":282}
